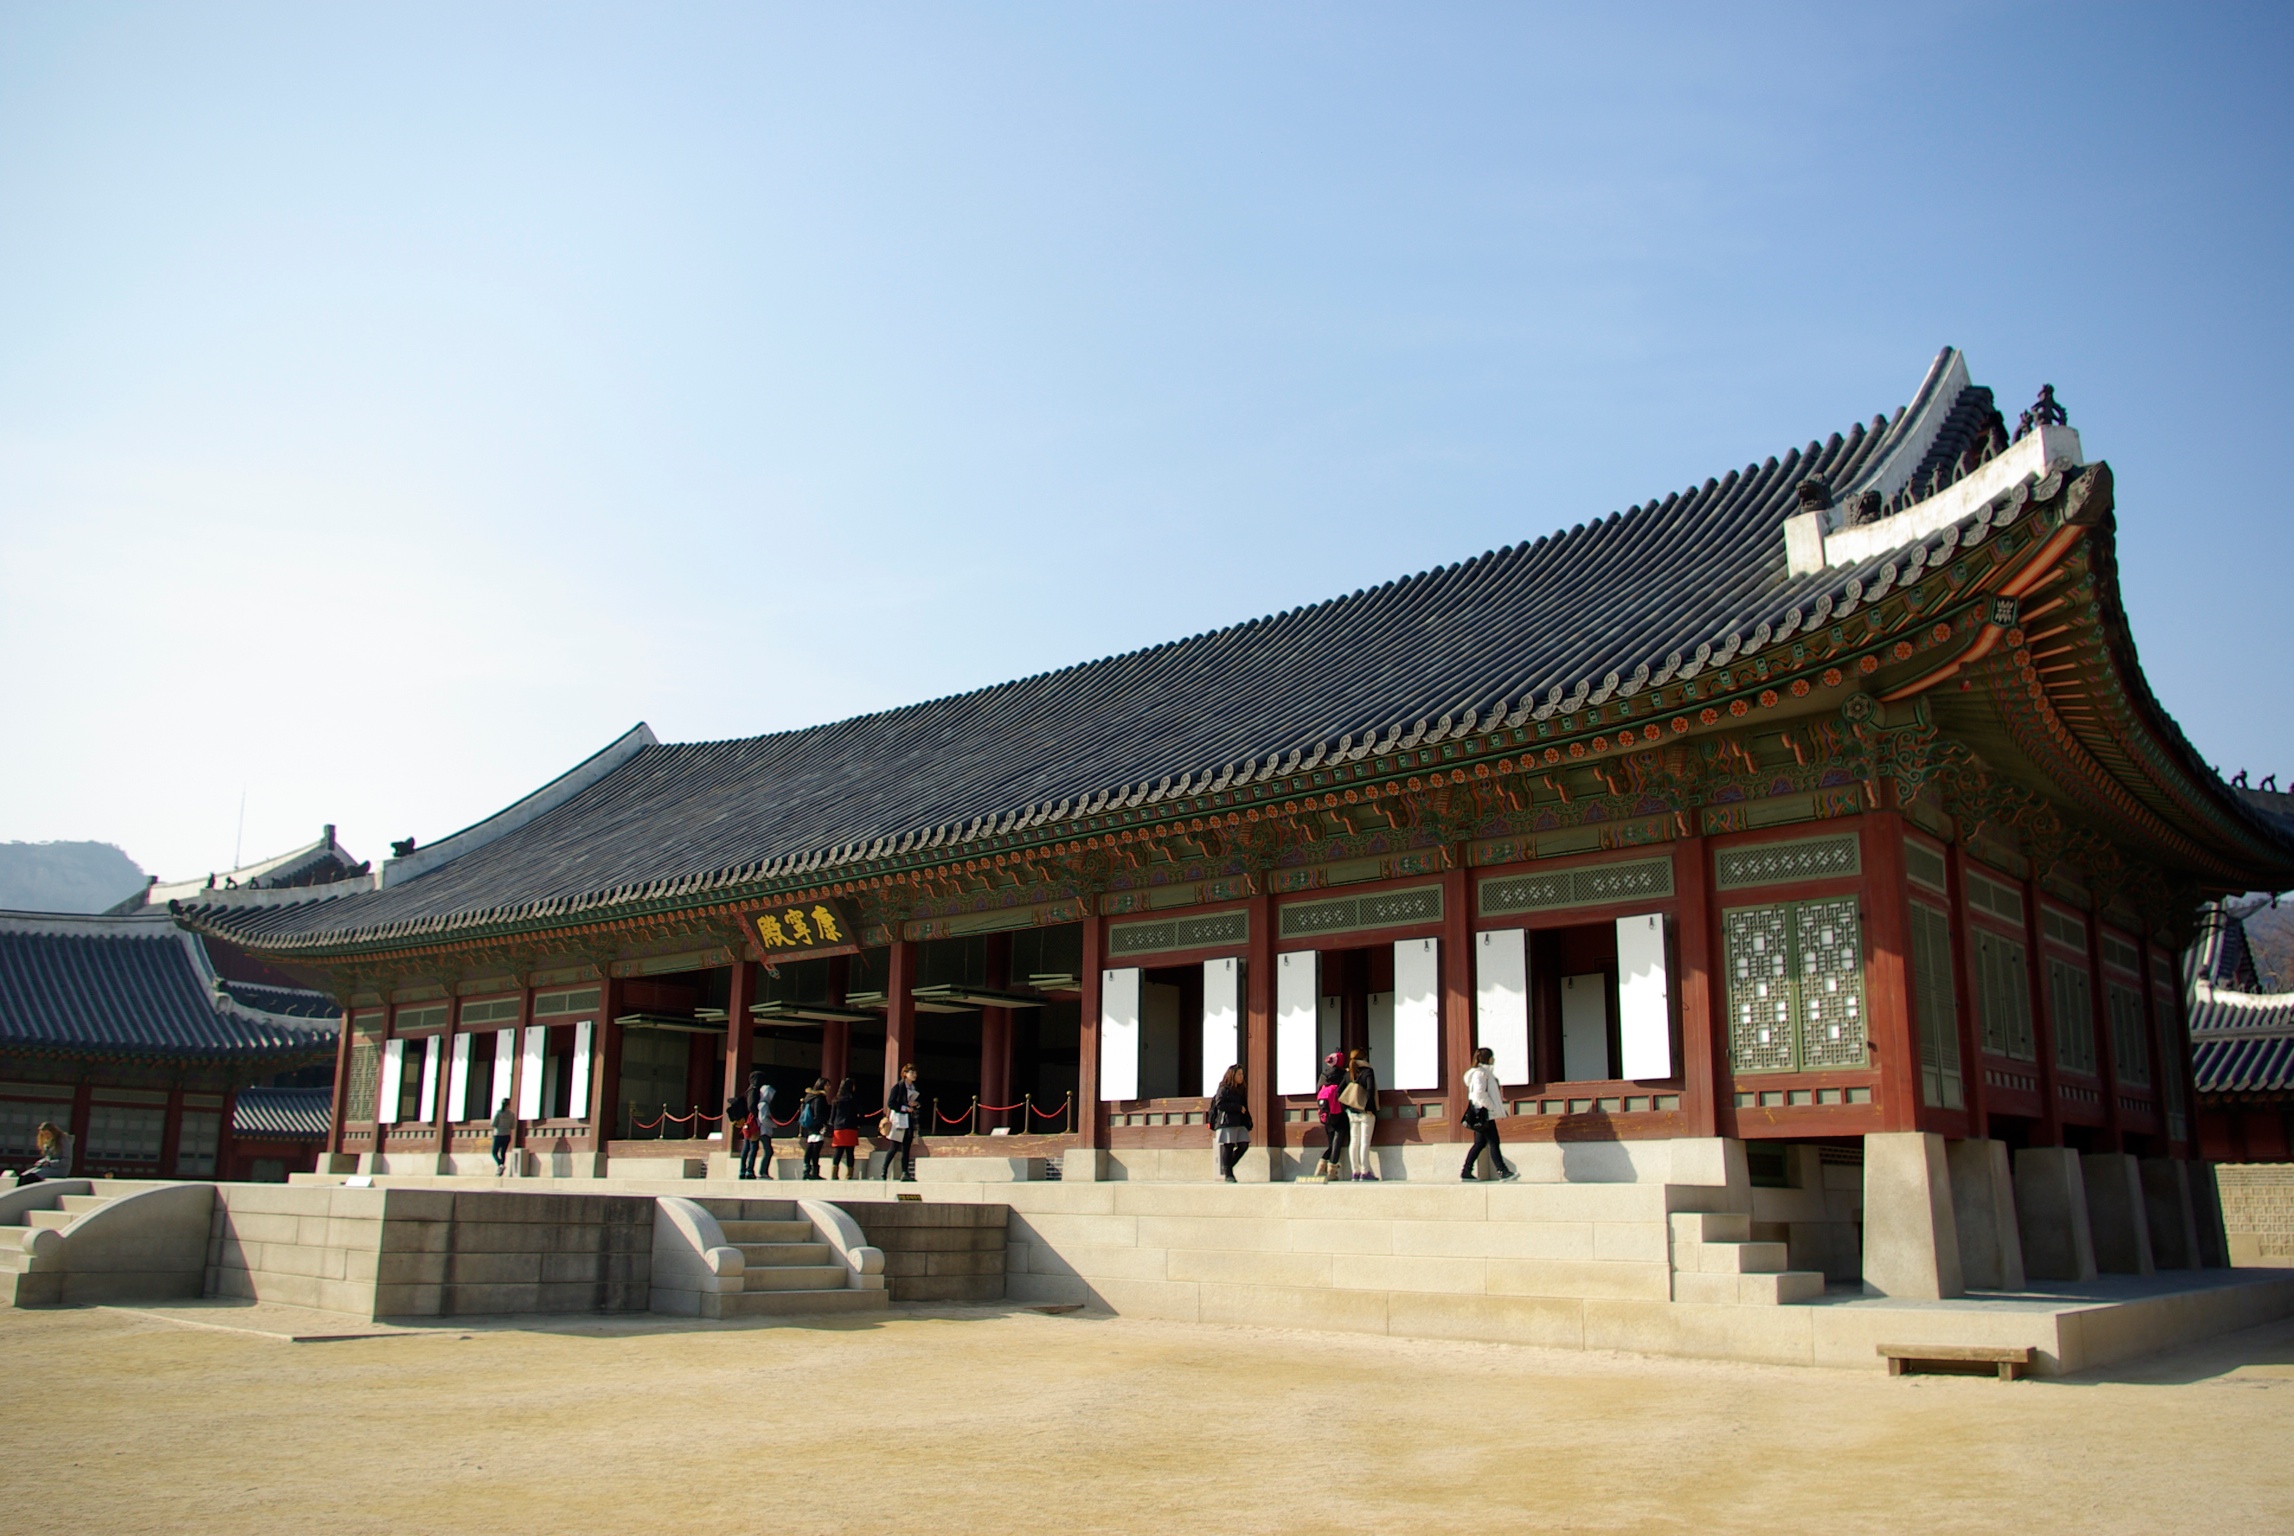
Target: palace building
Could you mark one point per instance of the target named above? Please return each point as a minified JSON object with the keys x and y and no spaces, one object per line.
{"x":1822,"y":802}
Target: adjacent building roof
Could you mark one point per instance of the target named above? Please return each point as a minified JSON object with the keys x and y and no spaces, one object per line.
{"x":1660,"y":591}
{"x":137,"y":986}
{"x":282,"y":1114}
{"x":317,"y":864}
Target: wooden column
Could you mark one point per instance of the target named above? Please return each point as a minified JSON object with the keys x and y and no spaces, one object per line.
{"x":2099,"y":1021}
{"x":344,"y":1044}
{"x":171,"y":1131}
{"x":515,"y":1092}
{"x":2042,"y":1014}
{"x":1975,"y":1086}
{"x":996,"y":1037}
{"x":445,"y":1104}
{"x":605,"y":1064}
{"x":226,"y":1144}
{"x":740,"y":1031}
{"x":899,"y":1014}
{"x":1887,"y":972}
{"x":81,"y":1111}
{"x":836,"y":1038}
{"x":1704,"y":1047}
{"x":1457,"y":992}
{"x":1258,"y":1028}
{"x":381,"y":1045}
{"x":1087,"y":1027}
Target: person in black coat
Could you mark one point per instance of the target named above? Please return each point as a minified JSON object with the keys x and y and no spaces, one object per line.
{"x":903,"y":1106}
{"x":1230,"y":1121}
{"x":844,"y":1130}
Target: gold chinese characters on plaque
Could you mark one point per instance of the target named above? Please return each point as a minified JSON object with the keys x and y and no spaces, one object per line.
{"x":803,"y":925}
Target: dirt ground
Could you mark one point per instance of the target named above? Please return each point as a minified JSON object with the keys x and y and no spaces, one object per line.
{"x":990,"y":1420}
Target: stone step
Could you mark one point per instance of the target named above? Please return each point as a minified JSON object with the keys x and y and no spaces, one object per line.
{"x":79,"y":1205}
{"x":50,"y":1219}
{"x":1743,"y":1258}
{"x":794,"y":1277}
{"x":1711,"y":1227}
{"x":1772,"y":1289}
{"x":768,"y":1255}
{"x":726,"y":1210}
{"x":776,"y":1303}
{"x":739,"y":1232}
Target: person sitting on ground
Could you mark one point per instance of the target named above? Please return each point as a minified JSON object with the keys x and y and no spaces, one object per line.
{"x":505,"y":1126}
{"x":1230,"y":1119}
{"x":1332,"y":1114}
{"x":1360,"y":1096}
{"x":812,"y":1124}
{"x":1482,"y":1109}
{"x":51,"y":1155}
{"x":844,"y":1130}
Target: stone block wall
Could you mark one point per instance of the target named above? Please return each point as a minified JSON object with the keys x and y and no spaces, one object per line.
{"x":2258,"y":1212}
{"x":936,"y":1252}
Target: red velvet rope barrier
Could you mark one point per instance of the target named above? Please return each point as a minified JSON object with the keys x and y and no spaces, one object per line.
{"x":949,"y":1119}
{"x":1050,"y":1114}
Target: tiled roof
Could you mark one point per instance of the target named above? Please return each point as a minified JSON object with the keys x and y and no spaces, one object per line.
{"x":129,"y":986}
{"x":2242,"y":1042}
{"x":1604,"y":609}
{"x":282,"y":1114}
{"x":287,"y":1002}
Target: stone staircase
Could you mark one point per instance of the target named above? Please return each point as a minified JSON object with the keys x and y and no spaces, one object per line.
{"x":40,"y":1224}
{"x":787,"y":1265}
{"x":1716,"y":1262}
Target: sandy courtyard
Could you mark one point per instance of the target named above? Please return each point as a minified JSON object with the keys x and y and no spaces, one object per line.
{"x":992,"y":1420}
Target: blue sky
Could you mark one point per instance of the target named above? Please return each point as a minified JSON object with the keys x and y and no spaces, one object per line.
{"x":396,"y":403}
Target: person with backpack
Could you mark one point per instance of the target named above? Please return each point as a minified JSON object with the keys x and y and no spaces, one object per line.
{"x":757,"y":1130}
{"x":844,"y":1130}
{"x":1483,"y":1106}
{"x":1230,"y":1121}
{"x":1332,"y":1115}
{"x":902,"y":1106}
{"x":1360,"y":1096}
{"x":812,"y":1124}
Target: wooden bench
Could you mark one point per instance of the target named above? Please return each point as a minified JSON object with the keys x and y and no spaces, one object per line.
{"x":2010,"y":1358}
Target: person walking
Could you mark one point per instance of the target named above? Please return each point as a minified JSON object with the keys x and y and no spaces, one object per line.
{"x":1230,"y":1119}
{"x":757,"y":1130}
{"x":1483,"y":1106}
{"x":902,"y":1106}
{"x":844,"y":1130}
{"x":505,"y":1126}
{"x":1333,"y":1114}
{"x":1360,"y":1096}
{"x":812,"y":1124}
{"x":51,"y":1155}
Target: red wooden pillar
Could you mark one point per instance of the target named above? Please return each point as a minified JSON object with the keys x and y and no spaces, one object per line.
{"x":445,"y":1104}
{"x":2050,"y":1132}
{"x":81,"y":1113}
{"x":899,"y":1016}
{"x":344,"y":1043}
{"x":2098,"y":1021}
{"x":515,"y":1093}
{"x":1887,"y":972}
{"x":1457,"y":991}
{"x":226,"y":1144}
{"x":740,"y":1031}
{"x":171,"y":1131}
{"x":1087,"y":1032}
{"x":1258,"y":1030}
{"x":605,"y":1064}
{"x":1975,"y":1085}
{"x":996,"y":1037}
{"x":836,"y":1038}
{"x":1704,"y":1048}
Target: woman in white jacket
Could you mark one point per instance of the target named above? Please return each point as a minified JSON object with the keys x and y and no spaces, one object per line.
{"x":1482,"y":1109}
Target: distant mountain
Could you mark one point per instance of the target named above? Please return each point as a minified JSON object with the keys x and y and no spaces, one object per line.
{"x":2270,"y":938}
{"x":65,"y":877}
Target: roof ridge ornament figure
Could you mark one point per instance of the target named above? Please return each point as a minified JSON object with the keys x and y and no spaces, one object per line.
{"x":2045,"y":412}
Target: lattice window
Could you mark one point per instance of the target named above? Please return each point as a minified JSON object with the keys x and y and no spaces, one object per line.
{"x":365,"y":1073}
{"x":119,"y":1134}
{"x":1924,"y":865}
{"x":1830,"y":948}
{"x":1592,"y":885}
{"x":20,"y":1121}
{"x":2003,"y":993}
{"x":196,"y":1142}
{"x":2073,"y":1009}
{"x":1796,"y":986}
{"x":2130,"y":1040}
{"x":1936,"y":1008}
{"x":1759,"y":955}
{"x":1813,"y":858}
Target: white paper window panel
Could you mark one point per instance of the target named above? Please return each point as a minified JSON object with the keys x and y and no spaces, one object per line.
{"x":530,"y":1079}
{"x":1222,"y":1020}
{"x":393,"y":1082}
{"x":1644,"y":1015}
{"x":458,"y":1078}
{"x":1158,"y":1041}
{"x":580,"y":1106}
{"x":505,"y":1067}
{"x":1297,"y":1020}
{"x":1585,"y":1028}
{"x":1119,"y":1034}
{"x":428,"y":1110}
{"x":1501,"y":1002}
{"x":1417,"y":1054}
{"x":1378,"y":1035}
